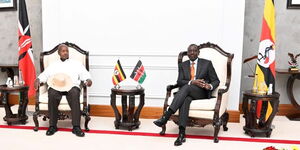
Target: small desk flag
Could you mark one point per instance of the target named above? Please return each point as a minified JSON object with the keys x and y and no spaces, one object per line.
{"x":119,"y":74}
{"x":138,"y":74}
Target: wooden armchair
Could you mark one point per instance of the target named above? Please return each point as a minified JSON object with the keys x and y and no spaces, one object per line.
{"x":213,"y":110}
{"x":41,"y":105}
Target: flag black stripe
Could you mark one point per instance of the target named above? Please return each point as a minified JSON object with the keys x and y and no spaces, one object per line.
{"x":22,"y":55}
{"x":138,"y":65}
{"x":121,"y":69}
{"x":117,"y":77}
{"x":269,"y":78}
{"x":23,"y":18}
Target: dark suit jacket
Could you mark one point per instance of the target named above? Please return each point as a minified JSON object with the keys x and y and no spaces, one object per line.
{"x":205,"y":70}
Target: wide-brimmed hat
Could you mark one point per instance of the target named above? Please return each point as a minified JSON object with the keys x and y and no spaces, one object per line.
{"x":60,"y":82}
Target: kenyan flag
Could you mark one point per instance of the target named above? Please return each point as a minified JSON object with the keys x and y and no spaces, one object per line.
{"x":138,"y":74}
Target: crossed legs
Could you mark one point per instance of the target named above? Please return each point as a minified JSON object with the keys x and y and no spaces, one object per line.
{"x":182,"y":101}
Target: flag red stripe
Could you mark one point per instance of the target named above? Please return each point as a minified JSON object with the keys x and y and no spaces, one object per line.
{"x":258,"y":108}
{"x":24,"y":43}
{"x":266,"y":32}
{"x":28,"y":73}
{"x":139,"y":73}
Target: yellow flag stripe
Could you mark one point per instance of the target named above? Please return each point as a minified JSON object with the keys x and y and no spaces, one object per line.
{"x":269,"y":111}
{"x":260,"y":82}
{"x":269,"y":15}
{"x":115,"y":79}
{"x":120,"y":72}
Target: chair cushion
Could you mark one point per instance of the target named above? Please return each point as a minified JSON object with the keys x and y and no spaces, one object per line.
{"x":63,"y":107}
{"x":200,"y":114}
{"x":201,"y":104}
{"x":43,"y":99}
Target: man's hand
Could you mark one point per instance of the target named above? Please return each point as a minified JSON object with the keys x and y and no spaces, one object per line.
{"x":88,"y":82}
{"x":201,"y":83}
{"x":36,"y":83}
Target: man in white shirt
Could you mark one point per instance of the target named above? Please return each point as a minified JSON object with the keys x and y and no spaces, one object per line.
{"x":77,"y":72}
{"x":196,"y":79}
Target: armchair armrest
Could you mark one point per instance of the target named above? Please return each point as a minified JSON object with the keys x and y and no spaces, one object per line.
{"x":223,"y":89}
{"x":37,"y":96}
{"x":171,"y":87}
{"x":85,"y":102}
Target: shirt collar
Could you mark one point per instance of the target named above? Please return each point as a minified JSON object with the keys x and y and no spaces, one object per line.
{"x":65,"y":60}
{"x":195,"y":61}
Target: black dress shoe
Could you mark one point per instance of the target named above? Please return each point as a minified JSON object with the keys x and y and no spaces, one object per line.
{"x":78,"y":132}
{"x":163,"y":120}
{"x":180,"y":139}
{"x":160,"y":122}
{"x":51,"y":130}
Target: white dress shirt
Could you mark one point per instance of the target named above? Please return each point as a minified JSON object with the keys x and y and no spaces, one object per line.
{"x":72,"y":68}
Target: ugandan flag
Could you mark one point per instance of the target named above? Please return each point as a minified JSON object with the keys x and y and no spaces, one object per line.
{"x":265,"y":68}
{"x":138,"y":74}
{"x":119,"y":74}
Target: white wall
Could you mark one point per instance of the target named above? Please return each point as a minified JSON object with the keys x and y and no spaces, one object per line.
{"x":154,"y":31}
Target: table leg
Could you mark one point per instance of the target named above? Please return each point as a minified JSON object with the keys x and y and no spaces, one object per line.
{"x":1,"y":99}
{"x":245,"y":110}
{"x":5,"y":101}
{"x":117,"y":114}
{"x":21,"y":101}
{"x":289,"y":89}
{"x":124,"y":109}
{"x":131,"y":108}
{"x":252,"y":117}
{"x":138,"y":111}
{"x":23,"y":104}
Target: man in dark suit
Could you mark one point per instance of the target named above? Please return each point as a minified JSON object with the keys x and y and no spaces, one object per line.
{"x":196,"y":80}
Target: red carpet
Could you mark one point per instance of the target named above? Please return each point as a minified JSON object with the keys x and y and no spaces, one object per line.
{"x":166,"y":135}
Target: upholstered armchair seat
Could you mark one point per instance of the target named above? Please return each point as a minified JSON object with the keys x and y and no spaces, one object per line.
{"x":44,"y":99}
{"x":213,"y":110}
{"x":41,"y":107}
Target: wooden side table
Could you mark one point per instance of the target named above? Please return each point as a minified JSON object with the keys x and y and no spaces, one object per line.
{"x":130,"y":119}
{"x":9,"y":69}
{"x":251,"y":127}
{"x":20,"y":117}
{"x":289,"y":89}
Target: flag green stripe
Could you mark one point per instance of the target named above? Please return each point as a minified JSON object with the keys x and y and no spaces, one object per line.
{"x":142,"y":78}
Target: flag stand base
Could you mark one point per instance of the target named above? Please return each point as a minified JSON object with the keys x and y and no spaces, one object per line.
{"x":117,"y":86}
{"x":138,"y":86}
